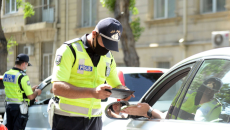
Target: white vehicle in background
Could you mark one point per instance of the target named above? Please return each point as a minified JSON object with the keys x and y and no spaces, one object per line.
{"x":135,"y":78}
{"x":2,"y":98}
{"x":138,"y":79}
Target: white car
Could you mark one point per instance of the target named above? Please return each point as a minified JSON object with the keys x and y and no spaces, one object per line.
{"x":188,"y":79}
{"x":135,"y":78}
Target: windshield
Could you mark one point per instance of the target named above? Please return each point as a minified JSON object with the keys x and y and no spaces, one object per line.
{"x":140,"y":83}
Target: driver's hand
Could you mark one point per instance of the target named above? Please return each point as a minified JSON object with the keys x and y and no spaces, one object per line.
{"x":39,"y":91}
{"x":127,"y":99}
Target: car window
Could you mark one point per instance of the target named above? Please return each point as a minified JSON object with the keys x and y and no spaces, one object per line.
{"x":1,"y":84}
{"x":165,"y":94}
{"x":208,"y":96}
{"x":140,"y":83}
{"x":46,"y":93}
{"x":166,"y":99}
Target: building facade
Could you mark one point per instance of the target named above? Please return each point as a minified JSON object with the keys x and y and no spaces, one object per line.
{"x":174,"y":29}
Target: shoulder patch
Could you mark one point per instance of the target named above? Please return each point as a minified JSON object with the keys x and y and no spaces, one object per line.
{"x":28,"y":83}
{"x":58,"y":59}
{"x":72,"y":41}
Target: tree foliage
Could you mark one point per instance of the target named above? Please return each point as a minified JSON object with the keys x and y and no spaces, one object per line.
{"x":136,"y":28}
{"x":27,"y":8}
{"x":10,"y":43}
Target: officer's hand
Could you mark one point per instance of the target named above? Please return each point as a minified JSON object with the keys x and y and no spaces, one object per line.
{"x":100,"y":92}
{"x":39,"y":91}
{"x":34,"y":87}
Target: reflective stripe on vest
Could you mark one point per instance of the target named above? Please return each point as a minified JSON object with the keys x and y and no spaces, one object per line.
{"x":81,"y":62}
{"x":12,"y":99}
{"x":78,"y":109}
{"x":79,"y":48}
{"x":108,"y":55}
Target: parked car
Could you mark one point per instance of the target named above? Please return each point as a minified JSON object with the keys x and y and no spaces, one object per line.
{"x":129,"y":76}
{"x":2,"y":98}
{"x":184,"y":79}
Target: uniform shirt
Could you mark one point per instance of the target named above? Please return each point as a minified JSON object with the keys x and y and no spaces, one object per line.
{"x":24,"y":82}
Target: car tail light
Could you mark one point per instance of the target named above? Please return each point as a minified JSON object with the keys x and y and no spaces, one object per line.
{"x":121,"y":77}
{"x":154,"y":71}
{"x":118,"y":100}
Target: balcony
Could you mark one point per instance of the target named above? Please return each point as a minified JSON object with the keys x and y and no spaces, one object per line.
{"x":43,"y":13}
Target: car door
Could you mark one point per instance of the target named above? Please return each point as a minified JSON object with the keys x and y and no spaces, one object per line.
{"x":164,"y":94}
{"x":209,"y":91}
{"x":38,"y":116}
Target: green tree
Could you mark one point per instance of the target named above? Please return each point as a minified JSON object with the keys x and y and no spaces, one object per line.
{"x":131,"y":30}
{"x":4,"y":44}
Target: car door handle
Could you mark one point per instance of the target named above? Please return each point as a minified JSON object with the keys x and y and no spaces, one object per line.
{"x":45,"y":114}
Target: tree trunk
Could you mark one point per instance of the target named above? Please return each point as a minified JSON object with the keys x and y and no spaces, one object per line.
{"x":121,"y":13}
{"x":3,"y":47}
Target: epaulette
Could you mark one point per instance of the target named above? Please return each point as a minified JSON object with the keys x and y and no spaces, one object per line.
{"x":72,"y":41}
{"x":23,"y":73}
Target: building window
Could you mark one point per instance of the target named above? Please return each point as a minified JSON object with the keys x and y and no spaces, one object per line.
{"x":163,"y":65}
{"x":212,"y":6}
{"x":164,"y":9}
{"x":47,"y":49}
{"x":10,"y":6}
{"x":89,"y":13}
{"x":20,"y":48}
{"x":48,"y":11}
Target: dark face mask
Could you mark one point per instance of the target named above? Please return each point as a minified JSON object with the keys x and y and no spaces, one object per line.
{"x":99,"y":49}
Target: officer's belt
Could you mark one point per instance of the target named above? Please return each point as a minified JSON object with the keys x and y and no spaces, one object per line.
{"x":14,"y":103}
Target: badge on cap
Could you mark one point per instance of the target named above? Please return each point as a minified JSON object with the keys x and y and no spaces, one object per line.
{"x":28,"y":83}
{"x":58,"y":59}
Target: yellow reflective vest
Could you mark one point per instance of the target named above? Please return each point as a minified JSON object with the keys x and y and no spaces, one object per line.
{"x":15,"y":92}
{"x":84,"y":74}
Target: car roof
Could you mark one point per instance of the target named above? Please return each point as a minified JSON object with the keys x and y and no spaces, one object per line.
{"x":213,"y":52}
{"x":139,"y":69}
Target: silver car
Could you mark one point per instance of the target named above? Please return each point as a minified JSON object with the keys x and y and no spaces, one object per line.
{"x":186,"y":80}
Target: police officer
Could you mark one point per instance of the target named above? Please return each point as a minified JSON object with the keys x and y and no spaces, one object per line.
{"x":82,"y":66}
{"x":18,"y":93}
{"x":210,"y":107}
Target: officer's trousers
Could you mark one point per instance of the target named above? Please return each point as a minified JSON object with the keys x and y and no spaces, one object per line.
{"x":76,"y":123}
{"x":15,"y":120}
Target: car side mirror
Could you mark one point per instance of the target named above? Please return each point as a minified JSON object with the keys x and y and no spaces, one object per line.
{"x":113,"y":110}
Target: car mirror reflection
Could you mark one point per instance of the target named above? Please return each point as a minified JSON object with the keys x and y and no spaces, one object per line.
{"x":113,"y":110}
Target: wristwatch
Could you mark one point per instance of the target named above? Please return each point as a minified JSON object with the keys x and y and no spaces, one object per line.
{"x":149,"y":113}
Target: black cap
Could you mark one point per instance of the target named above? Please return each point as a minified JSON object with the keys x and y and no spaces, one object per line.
{"x":24,"y":58}
{"x":110,"y":30}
